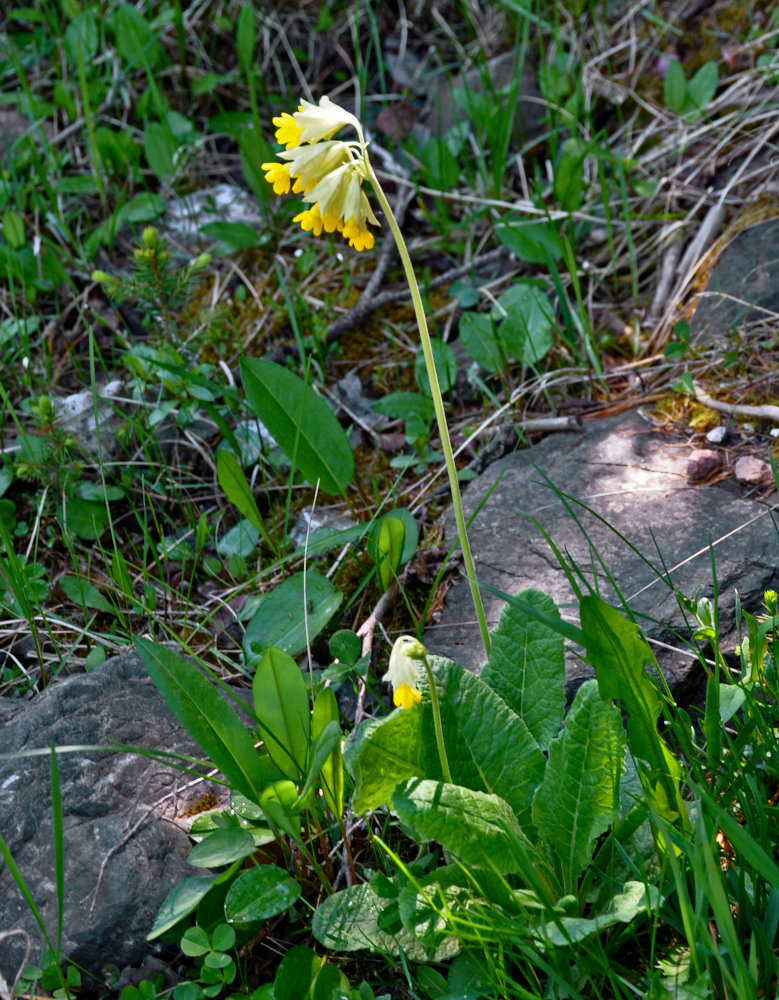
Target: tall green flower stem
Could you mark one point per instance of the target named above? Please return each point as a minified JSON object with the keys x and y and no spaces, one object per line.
{"x":438,"y":404}
{"x":439,"y":732}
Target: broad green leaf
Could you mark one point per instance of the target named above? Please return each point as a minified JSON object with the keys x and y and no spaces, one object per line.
{"x":232,"y":236}
{"x":445,"y":366}
{"x":279,"y":803}
{"x":579,"y":796}
{"x":345,"y":646}
{"x":332,"y":772}
{"x":527,"y":666}
{"x":83,"y":593}
{"x":674,"y":87}
{"x":476,"y":827}
{"x":527,"y":326}
{"x":207,"y":823}
{"x":703,"y":86}
{"x":240,"y":540}
{"x":135,"y":41}
{"x":301,"y":423}
{"x":160,"y":146}
{"x":85,"y":518}
{"x":282,"y":710}
{"x":534,"y":242}
{"x":402,"y":405}
{"x":280,"y":617}
{"x":392,"y":534}
{"x":181,"y":901}
{"x":478,"y":334}
{"x":635,"y":899}
{"x":351,"y":921}
{"x":206,"y":716}
{"x":13,"y":229}
{"x":222,"y":847}
{"x":259,"y":893}
{"x":304,"y":975}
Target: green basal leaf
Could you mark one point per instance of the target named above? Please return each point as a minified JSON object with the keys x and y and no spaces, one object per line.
{"x":222,"y":847}
{"x":301,"y":422}
{"x":445,"y":366}
{"x":675,"y":87}
{"x":260,"y":893}
{"x":478,"y":334}
{"x":636,"y":898}
{"x":206,"y":716}
{"x":332,"y":771}
{"x":579,"y":796}
{"x":527,"y":666}
{"x":392,"y":534}
{"x":280,"y":617}
{"x":304,"y":975}
{"x":180,"y":901}
{"x":476,"y":827}
{"x":527,"y":327}
{"x":83,"y":593}
{"x":282,"y":710}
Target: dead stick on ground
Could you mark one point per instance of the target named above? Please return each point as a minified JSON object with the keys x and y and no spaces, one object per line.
{"x":765,"y":412}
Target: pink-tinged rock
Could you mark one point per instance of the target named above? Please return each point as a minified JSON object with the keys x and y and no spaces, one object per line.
{"x":702,"y":463}
{"x":752,"y":470}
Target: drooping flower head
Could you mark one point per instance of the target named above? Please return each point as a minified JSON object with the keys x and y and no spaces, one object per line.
{"x":327,"y":173}
{"x":402,"y":672}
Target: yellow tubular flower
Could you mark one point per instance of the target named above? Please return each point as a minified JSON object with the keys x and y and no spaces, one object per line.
{"x":402,"y":671}
{"x":310,"y":220}
{"x":359,"y":237}
{"x":288,"y":131}
{"x":322,"y":121}
{"x":277,"y":174}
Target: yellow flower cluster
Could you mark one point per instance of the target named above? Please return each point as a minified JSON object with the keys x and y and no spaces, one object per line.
{"x":327,"y":173}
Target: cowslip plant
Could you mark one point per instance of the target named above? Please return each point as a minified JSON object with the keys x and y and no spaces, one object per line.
{"x":544,"y":818}
{"x":328,"y":174}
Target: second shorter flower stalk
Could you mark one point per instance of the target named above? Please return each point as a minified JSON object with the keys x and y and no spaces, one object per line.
{"x":438,"y":405}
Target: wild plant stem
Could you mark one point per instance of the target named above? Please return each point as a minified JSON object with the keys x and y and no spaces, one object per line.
{"x":439,"y":732}
{"x":438,"y":404}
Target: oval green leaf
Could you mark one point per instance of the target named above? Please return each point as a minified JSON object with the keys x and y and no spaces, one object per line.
{"x":260,"y":893}
{"x":222,"y":848}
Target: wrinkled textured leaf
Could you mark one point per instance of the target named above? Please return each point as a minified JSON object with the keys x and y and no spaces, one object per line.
{"x":282,"y":710}
{"x":527,"y":666}
{"x":259,"y":893}
{"x":488,"y":746}
{"x":579,"y":796}
{"x":349,"y":921}
{"x":387,"y":751}
{"x":301,"y":422}
{"x":635,"y":898}
{"x":474,"y":826}
{"x":206,"y":716}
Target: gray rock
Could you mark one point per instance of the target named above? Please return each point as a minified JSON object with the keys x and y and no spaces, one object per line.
{"x":743,"y":287}
{"x":119,"y":806}
{"x":76,"y":414}
{"x":635,"y":480}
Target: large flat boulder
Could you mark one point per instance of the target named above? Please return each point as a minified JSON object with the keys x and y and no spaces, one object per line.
{"x":632,"y":476}
{"x":125,"y":842}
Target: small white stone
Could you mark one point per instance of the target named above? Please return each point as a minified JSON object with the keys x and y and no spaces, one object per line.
{"x":717,"y":434}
